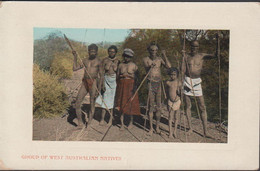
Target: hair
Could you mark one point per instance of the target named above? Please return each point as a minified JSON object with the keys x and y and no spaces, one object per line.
{"x":153,"y":43}
{"x":173,"y":69}
{"x":112,"y":47}
{"x":93,"y":46}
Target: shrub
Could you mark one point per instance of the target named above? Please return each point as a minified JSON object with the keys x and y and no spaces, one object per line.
{"x":62,"y":65}
{"x":49,"y":97}
{"x":44,"y":49}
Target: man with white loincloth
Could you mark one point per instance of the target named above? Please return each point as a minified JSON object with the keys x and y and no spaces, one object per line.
{"x":192,"y":67}
{"x":109,"y":66}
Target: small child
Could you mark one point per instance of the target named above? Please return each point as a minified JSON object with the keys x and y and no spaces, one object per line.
{"x":173,"y":87}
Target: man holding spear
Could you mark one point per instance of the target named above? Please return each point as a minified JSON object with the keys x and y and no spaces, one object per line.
{"x":90,"y":83}
{"x":153,"y":65}
{"x":192,"y":67}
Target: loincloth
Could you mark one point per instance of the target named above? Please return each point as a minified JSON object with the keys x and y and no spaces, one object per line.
{"x":195,"y":89}
{"x":174,"y":105}
{"x":109,"y":94}
{"x":88,"y":83}
{"x":154,"y":86}
{"x":124,"y":93}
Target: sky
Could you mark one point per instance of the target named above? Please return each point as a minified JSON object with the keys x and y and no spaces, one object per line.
{"x":85,"y":35}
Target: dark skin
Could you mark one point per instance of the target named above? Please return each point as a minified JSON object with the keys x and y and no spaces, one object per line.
{"x":192,"y":68}
{"x":92,"y":71}
{"x":109,"y":67}
{"x":127,"y":70}
{"x":173,"y":87}
{"x":154,"y":62}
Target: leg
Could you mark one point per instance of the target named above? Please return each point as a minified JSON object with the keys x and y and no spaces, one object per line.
{"x":131,"y":122}
{"x":122,"y":122}
{"x":203,"y":115}
{"x":111,"y":117}
{"x":188,"y":111}
{"x":92,"y":94}
{"x":176,"y":121}
{"x":102,"y":117}
{"x":151,"y":109}
{"x":81,"y":94}
{"x":170,"y":122}
{"x":158,"y":111}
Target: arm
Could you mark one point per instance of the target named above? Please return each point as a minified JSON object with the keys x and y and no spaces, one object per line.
{"x":166,"y":61}
{"x":208,"y":56}
{"x":76,"y":66}
{"x":146,"y":66}
{"x":118,"y":72}
{"x":115,"y":65}
{"x":136,"y":80}
{"x":183,"y":67}
{"x":179,"y":88}
{"x":101,"y":76}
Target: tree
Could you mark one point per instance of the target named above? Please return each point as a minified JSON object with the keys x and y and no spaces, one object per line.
{"x":172,"y":42}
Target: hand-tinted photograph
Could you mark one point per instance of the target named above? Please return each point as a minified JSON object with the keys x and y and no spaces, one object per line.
{"x":130,"y":85}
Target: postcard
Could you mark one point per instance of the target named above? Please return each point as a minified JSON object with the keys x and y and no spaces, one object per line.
{"x":130,"y":85}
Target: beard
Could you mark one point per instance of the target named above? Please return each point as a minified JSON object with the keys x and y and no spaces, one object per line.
{"x":112,"y":57}
{"x":92,"y":56}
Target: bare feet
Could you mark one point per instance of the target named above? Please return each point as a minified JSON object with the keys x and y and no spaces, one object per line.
{"x":130,"y":126}
{"x":88,"y":127}
{"x":207,"y":135}
{"x":102,"y":122}
{"x":110,"y":122}
{"x":79,"y":127}
{"x":170,"y":135}
{"x":150,"y":133}
{"x":190,"y":131}
{"x":175,"y":134}
{"x":158,"y":130}
{"x":122,"y":128}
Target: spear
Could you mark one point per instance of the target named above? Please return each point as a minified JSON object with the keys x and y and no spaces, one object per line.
{"x":67,"y":40}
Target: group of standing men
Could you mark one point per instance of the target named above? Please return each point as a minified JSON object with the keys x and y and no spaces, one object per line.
{"x":113,"y":85}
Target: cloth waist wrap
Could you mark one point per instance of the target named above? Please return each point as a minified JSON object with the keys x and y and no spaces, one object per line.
{"x":124,"y":93}
{"x":88,"y":83}
{"x":154,"y":86}
{"x":109,"y":94}
{"x":192,"y":86}
{"x":174,"y":105}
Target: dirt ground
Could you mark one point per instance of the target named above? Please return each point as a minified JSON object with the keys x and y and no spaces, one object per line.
{"x":62,"y":128}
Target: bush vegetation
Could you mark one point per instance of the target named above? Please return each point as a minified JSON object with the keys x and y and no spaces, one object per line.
{"x":61,"y":65}
{"x":172,"y":42}
{"x":49,"y":97}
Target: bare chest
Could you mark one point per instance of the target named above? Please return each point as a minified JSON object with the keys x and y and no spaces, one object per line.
{"x":156,"y":62}
{"x":91,"y":63}
{"x":127,"y":68}
{"x":172,"y":85}
{"x":195,"y":61}
{"x":108,"y":63}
